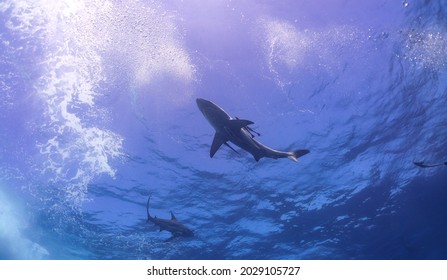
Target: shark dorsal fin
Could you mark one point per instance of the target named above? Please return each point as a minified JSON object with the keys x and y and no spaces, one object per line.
{"x":173,"y":217}
{"x":217,"y":142}
{"x":238,"y":124}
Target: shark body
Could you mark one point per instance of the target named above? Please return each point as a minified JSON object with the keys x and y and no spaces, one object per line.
{"x":237,"y":131}
{"x":172,"y":225}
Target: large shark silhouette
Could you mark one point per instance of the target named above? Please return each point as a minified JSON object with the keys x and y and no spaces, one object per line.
{"x":238,"y":132}
{"x":176,"y":228}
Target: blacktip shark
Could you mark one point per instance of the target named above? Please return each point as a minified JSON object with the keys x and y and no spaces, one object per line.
{"x":238,"y":132}
{"x":176,"y":228}
{"x":424,"y":165}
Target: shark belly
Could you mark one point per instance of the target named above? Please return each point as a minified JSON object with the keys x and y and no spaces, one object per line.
{"x":244,"y":141}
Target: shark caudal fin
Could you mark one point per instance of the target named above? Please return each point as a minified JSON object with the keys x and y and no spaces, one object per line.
{"x":296,"y":154}
{"x":149,"y":217}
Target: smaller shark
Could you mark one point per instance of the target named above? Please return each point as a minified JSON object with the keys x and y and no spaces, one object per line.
{"x":237,"y":131}
{"x":424,"y":165}
{"x":176,"y":228}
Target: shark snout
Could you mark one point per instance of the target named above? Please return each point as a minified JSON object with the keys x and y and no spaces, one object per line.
{"x":202,"y":103}
{"x":205,"y":106}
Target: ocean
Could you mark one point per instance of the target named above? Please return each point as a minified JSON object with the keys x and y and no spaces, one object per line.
{"x":98,"y":111}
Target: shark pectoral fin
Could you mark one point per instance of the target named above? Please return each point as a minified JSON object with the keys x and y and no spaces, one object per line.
{"x":238,"y":124}
{"x":217,"y":142}
{"x":298,"y":153}
{"x":173,"y":217}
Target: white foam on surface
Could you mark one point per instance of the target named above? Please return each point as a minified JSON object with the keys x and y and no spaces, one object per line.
{"x":288,"y":47}
{"x":77,"y":38}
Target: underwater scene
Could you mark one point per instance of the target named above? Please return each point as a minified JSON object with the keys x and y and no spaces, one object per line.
{"x":264,"y":130}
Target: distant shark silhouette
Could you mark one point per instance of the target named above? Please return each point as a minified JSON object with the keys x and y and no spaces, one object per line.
{"x":423,"y":165}
{"x":237,"y":131}
{"x":176,"y":228}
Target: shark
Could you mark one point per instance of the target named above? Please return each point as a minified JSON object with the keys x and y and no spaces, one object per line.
{"x":172,"y":225}
{"x":424,"y":165}
{"x":238,"y":132}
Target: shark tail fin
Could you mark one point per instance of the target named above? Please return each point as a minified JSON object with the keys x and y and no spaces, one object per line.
{"x":296,"y":154}
{"x":149,"y":218}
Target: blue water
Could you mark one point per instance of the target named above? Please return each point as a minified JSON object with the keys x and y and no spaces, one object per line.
{"x":98,"y":111}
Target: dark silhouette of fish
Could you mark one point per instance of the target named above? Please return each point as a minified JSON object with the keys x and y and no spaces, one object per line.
{"x":424,"y":165}
{"x":172,"y":225}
